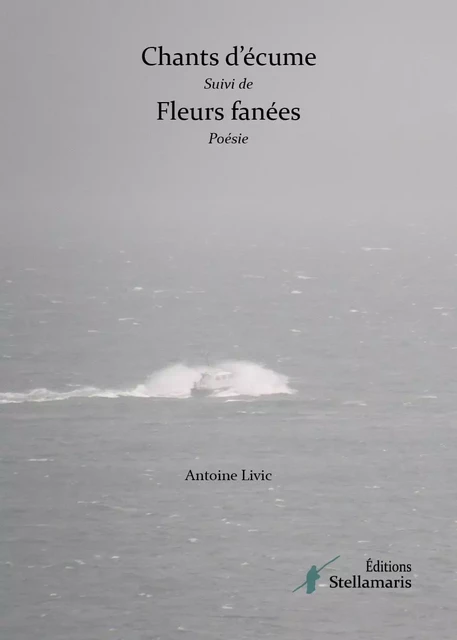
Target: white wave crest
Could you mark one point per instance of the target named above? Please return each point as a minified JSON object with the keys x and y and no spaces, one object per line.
{"x":251,"y":379}
{"x":177,"y":381}
{"x":47,"y":395}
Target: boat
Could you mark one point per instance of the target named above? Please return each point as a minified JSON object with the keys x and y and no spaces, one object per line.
{"x":212,"y":380}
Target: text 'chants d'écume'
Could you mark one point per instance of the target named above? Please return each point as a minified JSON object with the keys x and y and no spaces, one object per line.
{"x":157,"y":56}
{"x":239,"y":111}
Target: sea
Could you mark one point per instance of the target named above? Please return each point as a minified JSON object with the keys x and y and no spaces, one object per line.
{"x":341,"y":345}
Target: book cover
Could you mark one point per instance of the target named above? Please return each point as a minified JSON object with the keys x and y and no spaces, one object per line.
{"x":228,"y":342}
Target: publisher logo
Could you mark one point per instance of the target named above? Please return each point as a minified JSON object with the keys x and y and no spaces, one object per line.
{"x":392,"y":576}
{"x":313,"y":576}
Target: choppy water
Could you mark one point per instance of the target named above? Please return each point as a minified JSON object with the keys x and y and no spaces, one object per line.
{"x":101,"y":536}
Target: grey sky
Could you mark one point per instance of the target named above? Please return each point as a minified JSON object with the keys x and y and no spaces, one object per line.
{"x":82,"y":147}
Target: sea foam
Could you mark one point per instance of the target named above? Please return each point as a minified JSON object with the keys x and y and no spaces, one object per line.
{"x":176,"y":381}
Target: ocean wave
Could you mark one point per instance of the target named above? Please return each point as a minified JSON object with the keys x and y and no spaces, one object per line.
{"x":177,"y":381}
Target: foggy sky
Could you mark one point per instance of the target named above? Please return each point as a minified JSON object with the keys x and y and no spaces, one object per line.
{"x":84,"y":154}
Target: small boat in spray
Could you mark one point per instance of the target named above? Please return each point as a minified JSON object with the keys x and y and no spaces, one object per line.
{"x":213,"y":380}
